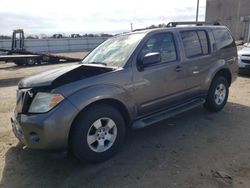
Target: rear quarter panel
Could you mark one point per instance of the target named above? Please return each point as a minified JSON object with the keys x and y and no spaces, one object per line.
{"x":225,"y":58}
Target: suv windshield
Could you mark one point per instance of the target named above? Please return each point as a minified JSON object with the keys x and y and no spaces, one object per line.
{"x":115,"y":51}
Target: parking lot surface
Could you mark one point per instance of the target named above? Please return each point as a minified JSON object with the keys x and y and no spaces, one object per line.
{"x":191,"y":150}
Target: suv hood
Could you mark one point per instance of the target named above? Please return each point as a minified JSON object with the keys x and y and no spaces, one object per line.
{"x":64,"y":75}
{"x":244,"y":51}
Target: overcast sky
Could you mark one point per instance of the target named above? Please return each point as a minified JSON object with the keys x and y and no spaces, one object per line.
{"x":80,"y":16}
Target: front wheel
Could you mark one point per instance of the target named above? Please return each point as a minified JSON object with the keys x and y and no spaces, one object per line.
{"x":217,"y":94}
{"x":97,"y":133}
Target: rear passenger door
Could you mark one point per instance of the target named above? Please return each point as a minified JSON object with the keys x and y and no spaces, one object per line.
{"x":197,"y":59}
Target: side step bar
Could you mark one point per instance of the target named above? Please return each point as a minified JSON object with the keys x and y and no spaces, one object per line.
{"x":162,"y":115}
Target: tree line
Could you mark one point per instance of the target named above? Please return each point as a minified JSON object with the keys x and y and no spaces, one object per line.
{"x":59,"y":35}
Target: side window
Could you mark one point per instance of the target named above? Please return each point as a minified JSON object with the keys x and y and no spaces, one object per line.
{"x":223,"y":38}
{"x":162,"y":43}
{"x":195,"y":43}
{"x":204,"y":42}
{"x":191,"y":43}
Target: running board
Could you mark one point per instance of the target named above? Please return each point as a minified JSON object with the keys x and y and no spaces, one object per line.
{"x":162,"y":115}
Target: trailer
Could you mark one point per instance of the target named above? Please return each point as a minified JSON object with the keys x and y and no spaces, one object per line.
{"x":20,"y":56}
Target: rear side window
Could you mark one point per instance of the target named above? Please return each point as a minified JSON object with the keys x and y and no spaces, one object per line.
{"x":195,"y":43}
{"x":223,"y":38}
{"x":204,"y":42}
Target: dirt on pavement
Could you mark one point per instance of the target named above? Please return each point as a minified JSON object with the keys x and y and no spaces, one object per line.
{"x":195,"y":149}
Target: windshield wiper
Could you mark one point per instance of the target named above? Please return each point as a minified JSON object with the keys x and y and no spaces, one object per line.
{"x":100,"y":63}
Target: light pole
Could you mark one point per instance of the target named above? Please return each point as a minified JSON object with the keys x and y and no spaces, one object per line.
{"x":197,"y":10}
{"x":131,"y":26}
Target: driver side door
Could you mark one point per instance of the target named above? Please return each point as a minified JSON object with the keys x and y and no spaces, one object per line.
{"x":163,"y":83}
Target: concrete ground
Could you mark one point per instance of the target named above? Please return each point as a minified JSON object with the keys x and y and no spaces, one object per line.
{"x":195,"y":149}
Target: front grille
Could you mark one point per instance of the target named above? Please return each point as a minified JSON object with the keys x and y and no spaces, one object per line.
{"x":24,"y":99}
{"x":245,"y":61}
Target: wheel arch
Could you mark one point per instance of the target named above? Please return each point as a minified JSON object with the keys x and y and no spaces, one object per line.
{"x":225,"y":73}
{"x":112,"y":102}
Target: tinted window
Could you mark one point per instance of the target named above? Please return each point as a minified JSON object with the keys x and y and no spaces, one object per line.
{"x":162,"y":43}
{"x":191,"y":43}
{"x":204,"y":42}
{"x":195,"y":43}
{"x":223,"y":38}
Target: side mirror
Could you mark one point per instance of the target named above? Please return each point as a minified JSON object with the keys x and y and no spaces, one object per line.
{"x":148,"y":59}
{"x":151,"y":58}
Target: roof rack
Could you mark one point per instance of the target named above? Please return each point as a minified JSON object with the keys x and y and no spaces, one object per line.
{"x":174,"y":24}
{"x":142,"y":29}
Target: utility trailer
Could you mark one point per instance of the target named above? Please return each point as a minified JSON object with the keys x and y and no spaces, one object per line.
{"x":20,"y":56}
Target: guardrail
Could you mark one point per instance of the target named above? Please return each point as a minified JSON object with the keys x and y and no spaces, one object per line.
{"x":57,"y":45}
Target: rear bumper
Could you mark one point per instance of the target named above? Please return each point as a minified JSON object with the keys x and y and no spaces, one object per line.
{"x":45,"y":131}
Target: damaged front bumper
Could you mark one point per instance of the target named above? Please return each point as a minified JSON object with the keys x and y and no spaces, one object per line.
{"x":45,"y":131}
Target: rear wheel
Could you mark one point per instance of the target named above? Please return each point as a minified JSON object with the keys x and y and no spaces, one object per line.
{"x":30,"y":61}
{"x":217,"y":94}
{"x":97,"y":133}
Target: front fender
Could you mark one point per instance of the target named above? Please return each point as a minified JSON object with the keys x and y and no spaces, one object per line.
{"x":84,"y":97}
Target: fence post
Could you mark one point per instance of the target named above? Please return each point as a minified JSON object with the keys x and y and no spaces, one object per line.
{"x":68,"y":42}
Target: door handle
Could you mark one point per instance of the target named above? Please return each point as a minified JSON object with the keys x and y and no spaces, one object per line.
{"x":232,"y":60}
{"x":178,"y":68}
{"x":196,"y":72}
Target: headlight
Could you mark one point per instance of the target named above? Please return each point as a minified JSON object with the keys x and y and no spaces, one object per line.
{"x":43,"y":102}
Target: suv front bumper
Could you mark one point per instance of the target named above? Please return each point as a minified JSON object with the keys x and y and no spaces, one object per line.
{"x":244,"y":63}
{"x":45,"y":131}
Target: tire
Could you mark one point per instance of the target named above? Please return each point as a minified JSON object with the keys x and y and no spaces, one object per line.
{"x":217,"y":94}
{"x":30,"y":61}
{"x":91,"y":127}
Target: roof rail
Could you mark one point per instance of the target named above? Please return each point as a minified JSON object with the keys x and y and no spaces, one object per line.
{"x":142,"y":29}
{"x":174,"y":24}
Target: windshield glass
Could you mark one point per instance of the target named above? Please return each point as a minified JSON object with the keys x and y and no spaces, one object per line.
{"x":115,"y":51}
